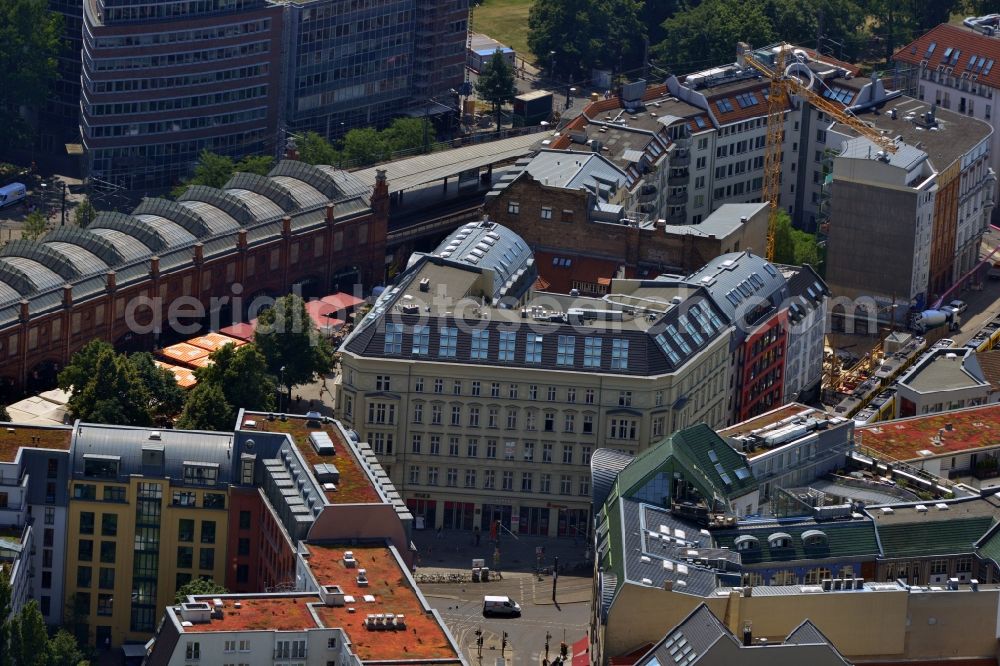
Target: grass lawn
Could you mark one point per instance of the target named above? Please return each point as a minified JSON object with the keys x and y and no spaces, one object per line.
{"x":505,"y":21}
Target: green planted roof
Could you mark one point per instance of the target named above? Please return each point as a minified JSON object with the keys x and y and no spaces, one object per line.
{"x":844,"y":539}
{"x":933,"y":537}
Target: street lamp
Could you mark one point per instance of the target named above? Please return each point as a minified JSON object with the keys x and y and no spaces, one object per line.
{"x":281,"y":390}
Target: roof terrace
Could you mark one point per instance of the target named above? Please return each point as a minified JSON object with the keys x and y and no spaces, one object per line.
{"x":355,"y":485}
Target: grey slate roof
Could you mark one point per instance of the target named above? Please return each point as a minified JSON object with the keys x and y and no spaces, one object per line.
{"x":493,"y":247}
{"x":694,"y":636}
{"x":605,"y":464}
{"x":738,"y":281}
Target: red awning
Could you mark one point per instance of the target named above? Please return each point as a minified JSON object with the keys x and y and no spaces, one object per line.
{"x":242,"y":331}
{"x":342,"y":301}
{"x":581,"y":652}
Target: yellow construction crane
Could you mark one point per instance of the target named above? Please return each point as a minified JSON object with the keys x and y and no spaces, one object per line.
{"x":783,"y":85}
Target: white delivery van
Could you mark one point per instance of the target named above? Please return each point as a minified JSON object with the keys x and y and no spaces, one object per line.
{"x":12,"y":194}
{"x":500,"y":606}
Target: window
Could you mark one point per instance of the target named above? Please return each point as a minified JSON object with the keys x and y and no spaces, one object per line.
{"x":529,"y":420}
{"x":415,"y":475}
{"x":50,"y":515}
{"x":421,"y":342}
{"x":569,"y":423}
{"x":208,"y":531}
{"x":492,"y":416}
{"x":83,"y":576}
{"x":206,"y":559}
{"x":480,"y":344}
{"x":184,"y":498}
{"x":201,"y":474}
{"x":527,"y":478}
{"x":571,"y":395}
{"x":588,"y":424}
{"x":382,"y":413}
{"x":243,"y":546}
{"x":489,"y":479}
{"x":529,"y":451}
{"x":473,"y":417}
{"x":585,"y":451}
{"x":418,"y":385}
{"x":382,"y":443}
{"x":624,"y":398}
{"x":592,"y":353}
{"x":435,"y":414}
{"x":658,"y":425}
{"x":567,"y":215}
{"x":550,"y":422}
{"x":432,"y":476}
{"x":453,"y":446}
{"x":491,"y":449}
{"x":244,"y":520}
{"x":449,"y":342}
{"x":939,"y":567}
{"x":452,"y":477}
{"x":565,"y":484}
{"x":588,"y":396}
{"x":470,"y":478}
{"x":566,"y":350}
{"x":435,"y":445}
{"x":456,"y":387}
{"x":85,"y":550}
{"x":86,"y":522}
{"x":584,"y":486}
{"x":108,"y":552}
{"x":418,"y":412}
{"x":472,"y":448}
{"x":533,"y":348}
{"x":439,"y":386}
{"x":545,"y":483}
{"x":622,"y":429}
{"x":456,"y":415}
{"x":101,"y":467}
{"x":192,"y":650}
{"x":185,"y":557}
{"x":495,"y":388}
{"x":477,"y":388}
{"x":507,"y":480}
{"x":533,"y":392}
{"x":567,"y":454}
{"x":619,"y":354}
{"x":185,"y":529}
{"x":507,"y":342}
{"x":393,"y":339}
{"x":546,"y":213}
{"x":513,"y":207}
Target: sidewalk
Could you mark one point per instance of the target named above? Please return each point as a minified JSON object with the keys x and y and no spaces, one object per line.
{"x":455,"y":549}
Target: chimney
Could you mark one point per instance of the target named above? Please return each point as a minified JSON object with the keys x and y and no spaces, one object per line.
{"x":154,"y":266}
{"x":241,"y":239}
{"x":68,"y":295}
{"x":286,"y":226}
{"x":199,"y":253}
{"x":747,"y":634}
{"x":25,"y":312}
{"x":741,"y":53}
{"x":111,"y":280}
{"x":329,"y":213}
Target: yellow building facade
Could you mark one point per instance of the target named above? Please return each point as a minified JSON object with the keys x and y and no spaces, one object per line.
{"x":131,"y":544}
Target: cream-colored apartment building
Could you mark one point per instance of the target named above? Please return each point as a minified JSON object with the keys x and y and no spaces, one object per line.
{"x":484,"y":400}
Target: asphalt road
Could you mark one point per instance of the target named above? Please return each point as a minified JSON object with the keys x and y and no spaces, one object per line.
{"x":461,"y":606}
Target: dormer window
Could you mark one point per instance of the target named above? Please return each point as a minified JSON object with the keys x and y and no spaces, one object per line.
{"x":746,"y":542}
{"x":780,"y":540}
{"x":814,"y":538}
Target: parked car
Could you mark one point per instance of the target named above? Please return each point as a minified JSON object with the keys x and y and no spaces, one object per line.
{"x":959,"y":306}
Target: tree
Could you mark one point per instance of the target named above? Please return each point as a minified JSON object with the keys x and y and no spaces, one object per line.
{"x":314,"y":149}
{"x":364,"y":146}
{"x":257,"y":164}
{"x":166,"y":398}
{"x":496,"y":82}
{"x":64,"y":650}
{"x":114,"y":393}
{"x":241,"y":373}
{"x":206,"y":409}
{"x":29,"y":640}
{"x":35,"y":224}
{"x":708,"y":32}
{"x":406,"y":134}
{"x":793,"y":246}
{"x":83,"y":365}
{"x":5,"y":616}
{"x":84,"y":213}
{"x":30,"y":37}
{"x":4,"y":414}
{"x":197,"y":586}
{"x":290,"y":343}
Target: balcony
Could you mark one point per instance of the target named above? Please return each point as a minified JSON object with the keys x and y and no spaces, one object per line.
{"x":647,"y":194}
{"x":680,"y":159}
{"x":678,"y":199}
{"x":678,"y":216}
{"x":676,"y":178}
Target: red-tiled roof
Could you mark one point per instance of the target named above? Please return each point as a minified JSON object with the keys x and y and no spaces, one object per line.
{"x":183,"y":353}
{"x":241,"y":331}
{"x":214,"y":341}
{"x":903,"y":439}
{"x":423,"y":638}
{"x":263,"y":613}
{"x":947,"y":37}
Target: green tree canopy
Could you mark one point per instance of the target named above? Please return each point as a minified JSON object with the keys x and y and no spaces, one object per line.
{"x":257,"y":164}
{"x":406,"y":134}
{"x":206,"y":409}
{"x":84,"y":213}
{"x":290,"y":343}
{"x":364,"y":146}
{"x":197,"y":586}
{"x":706,"y":34}
{"x":166,"y":397}
{"x":585,"y":34}
{"x":314,"y":149}
{"x":793,"y":246}
{"x":29,"y":44}
{"x":35,"y":225}
{"x":496,"y":82}
{"x":29,"y":640}
{"x":64,"y":650}
{"x":5,"y":617}
{"x":241,"y":373}
{"x":215,"y":170}
{"x":83,"y":365}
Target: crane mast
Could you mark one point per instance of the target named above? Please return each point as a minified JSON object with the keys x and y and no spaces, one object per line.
{"x":781,"y":87}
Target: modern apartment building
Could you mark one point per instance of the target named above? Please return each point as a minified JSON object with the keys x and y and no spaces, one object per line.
{"x":932,"y":198}
{"x":166,"y":80}
{"x":34,"y":474}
